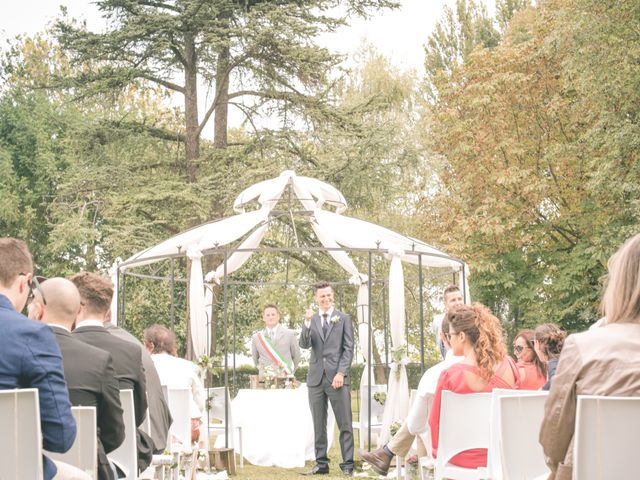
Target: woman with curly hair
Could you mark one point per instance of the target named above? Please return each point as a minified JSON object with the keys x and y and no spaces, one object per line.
{"x":477,"y":335}
{"x":548,"y":342}
{"x":533,"y":372}
{"x":603,"y":361}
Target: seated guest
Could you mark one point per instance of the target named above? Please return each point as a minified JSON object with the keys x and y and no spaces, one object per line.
{"x":31,"y":357}
{"x":549,"y":340}
{"x":475,"y":333}
{"x":602,"y":361}
{"x":95,"y":295}
{"x":533,"y":371}
{"x":276,"y":346}
{"x":417,"y":420}
{"x":88,"y":370}
{"x":176,"y":372}
{"x":159,"y":415}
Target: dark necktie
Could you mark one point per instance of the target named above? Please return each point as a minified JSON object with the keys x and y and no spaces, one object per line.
{"x":325,"y":324}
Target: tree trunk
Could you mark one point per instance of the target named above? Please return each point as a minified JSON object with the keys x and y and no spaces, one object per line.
{"x":222,"y":104}
{"x":192,"y":138}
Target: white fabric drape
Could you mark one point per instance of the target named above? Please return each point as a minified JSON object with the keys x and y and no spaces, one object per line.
{"x":238,"y":259}
{"x":397,"y":404}
{"x":209,"y":235}
{"x":197,"y":317}
{"x":362,"y":312}
{"x":113,"y":273}
{"x":354,"y":233}
{"x":234,"y":262}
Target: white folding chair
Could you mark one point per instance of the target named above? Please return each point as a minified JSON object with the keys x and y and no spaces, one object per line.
{"x":20,"y":435}
{"x":180,"y":430}
{"x":377,"y":409}
{"x":464,"y":424}
{"x":518,"y":427}
{"x":494,"y":462}
{"x":83,"y":454}
{"x":606,"y":438}
{"x":126,"y":455}
{"x":217,"y":398}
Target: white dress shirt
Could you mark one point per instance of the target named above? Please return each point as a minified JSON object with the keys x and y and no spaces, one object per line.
{"x":177,"y":372}
{"x":417,"y":420}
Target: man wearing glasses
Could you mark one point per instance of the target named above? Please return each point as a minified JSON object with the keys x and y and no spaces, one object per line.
{"x":31,"y":357}
{"x":88,"y":370}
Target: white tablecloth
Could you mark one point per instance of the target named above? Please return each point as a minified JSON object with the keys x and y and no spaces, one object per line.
{"x":277,"y":429}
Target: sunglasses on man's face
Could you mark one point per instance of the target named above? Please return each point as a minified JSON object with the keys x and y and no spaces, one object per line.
{"x":35,"y":285}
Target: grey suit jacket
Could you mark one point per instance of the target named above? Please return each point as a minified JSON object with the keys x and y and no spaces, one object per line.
{"x":159,"y":415}
{"x":330,"y":354}
{"x":285,"y":342}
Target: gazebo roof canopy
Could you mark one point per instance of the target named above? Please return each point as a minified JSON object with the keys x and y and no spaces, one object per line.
{"x":333,"y":229}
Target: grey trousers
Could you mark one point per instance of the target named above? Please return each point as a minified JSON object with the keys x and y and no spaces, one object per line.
{"x":319,"y":398}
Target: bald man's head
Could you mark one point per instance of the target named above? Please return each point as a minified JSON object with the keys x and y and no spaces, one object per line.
{"x":63,"y":302}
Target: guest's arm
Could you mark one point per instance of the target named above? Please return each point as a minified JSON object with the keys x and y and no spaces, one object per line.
{"x":140,"y":393}
{"x":42,"y":365}
{"x":109,"y":412}
{"x":559,"y":421}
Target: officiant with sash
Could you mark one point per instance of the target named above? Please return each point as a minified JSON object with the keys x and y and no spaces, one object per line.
{"x":275,"y":348}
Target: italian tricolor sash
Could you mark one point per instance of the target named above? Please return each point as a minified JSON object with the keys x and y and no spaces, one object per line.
{"x":274,"y":354}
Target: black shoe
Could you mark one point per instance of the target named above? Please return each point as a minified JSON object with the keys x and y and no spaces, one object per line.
{"x":347,"y":472}
{"x":317,"y":470}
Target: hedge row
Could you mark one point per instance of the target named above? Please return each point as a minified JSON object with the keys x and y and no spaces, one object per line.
{"x":241,"y":377}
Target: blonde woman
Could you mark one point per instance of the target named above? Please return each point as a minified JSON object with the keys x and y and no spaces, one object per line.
{"x":603,"y":361}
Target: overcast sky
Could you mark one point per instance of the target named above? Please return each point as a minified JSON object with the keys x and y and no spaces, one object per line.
{"x":400,"y":35}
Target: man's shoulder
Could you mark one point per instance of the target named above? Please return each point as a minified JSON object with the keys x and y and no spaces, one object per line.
{"x":92,"y":353}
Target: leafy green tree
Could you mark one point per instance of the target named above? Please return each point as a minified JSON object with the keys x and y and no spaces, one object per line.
{"x":263,"y":50}
{"x":538,"y":180}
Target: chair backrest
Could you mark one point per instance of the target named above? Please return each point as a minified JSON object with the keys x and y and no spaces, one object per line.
{"x":178,"y":401}
{"x":495,"y":453}
{"x":606,"y":437}
{"x":20,"y":435}
{"x":83,"y":452}
{"x":520,"y":418}
{"x":377,"y":408}
{"x":217,"y":397}
{"x":126,"y":455}
{"x":464,"y":423}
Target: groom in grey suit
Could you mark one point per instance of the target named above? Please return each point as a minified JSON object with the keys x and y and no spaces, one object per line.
{"x":329,"y":334}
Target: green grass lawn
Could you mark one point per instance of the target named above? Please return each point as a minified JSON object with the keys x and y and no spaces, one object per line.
{"x":252,"y":472}
{"x":271,"y":473}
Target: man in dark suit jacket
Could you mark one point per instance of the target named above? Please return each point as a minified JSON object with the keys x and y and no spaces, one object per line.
{"x":30,"y":355}
{"x":95,"y":294}
{"x":329,"y":334}
{"x":159,"y":414}
{"x":88,"y":370}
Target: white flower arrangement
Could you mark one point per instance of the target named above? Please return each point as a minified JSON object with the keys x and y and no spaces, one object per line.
{"x":335,"y":319}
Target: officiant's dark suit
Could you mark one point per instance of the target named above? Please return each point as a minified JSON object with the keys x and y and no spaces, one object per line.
{"x":92,"y":383}
{"x":329,"y":334}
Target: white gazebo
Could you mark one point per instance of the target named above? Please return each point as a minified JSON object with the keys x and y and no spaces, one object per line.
{"x":337,"y":233}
